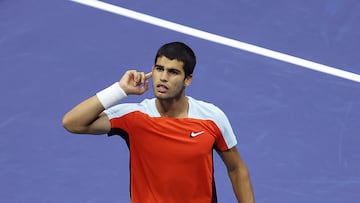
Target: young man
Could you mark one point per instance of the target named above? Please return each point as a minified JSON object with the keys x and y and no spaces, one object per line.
{"x":170,"y":137}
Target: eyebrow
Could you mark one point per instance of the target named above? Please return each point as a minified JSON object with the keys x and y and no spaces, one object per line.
{"x":156,"y":65}
{"x":169,"y":69}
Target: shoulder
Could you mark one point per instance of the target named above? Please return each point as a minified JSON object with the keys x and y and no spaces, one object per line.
{"x":146,"y":106}
{"x":208,"y":111}
{"x":204,"y":110}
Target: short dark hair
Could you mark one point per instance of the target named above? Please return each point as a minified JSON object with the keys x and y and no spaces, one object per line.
{"x":181,"y":52}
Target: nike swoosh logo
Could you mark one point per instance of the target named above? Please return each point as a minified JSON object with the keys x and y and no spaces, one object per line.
{"x":194,"y":134}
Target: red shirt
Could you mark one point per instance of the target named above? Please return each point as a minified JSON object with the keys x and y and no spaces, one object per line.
{"x":171,"y":159}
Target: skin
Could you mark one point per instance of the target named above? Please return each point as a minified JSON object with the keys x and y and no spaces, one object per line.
{"x":169,"y":83}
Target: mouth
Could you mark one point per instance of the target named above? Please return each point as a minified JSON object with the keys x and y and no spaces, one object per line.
{"x":161,"y":88}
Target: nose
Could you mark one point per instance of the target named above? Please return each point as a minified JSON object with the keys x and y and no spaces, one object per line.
{"x":164,"y":76}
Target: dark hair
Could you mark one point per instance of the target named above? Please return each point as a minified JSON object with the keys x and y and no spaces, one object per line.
{"x":181,"y":52}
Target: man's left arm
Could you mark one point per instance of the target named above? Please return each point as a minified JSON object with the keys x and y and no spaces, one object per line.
{"x":239,"y":175}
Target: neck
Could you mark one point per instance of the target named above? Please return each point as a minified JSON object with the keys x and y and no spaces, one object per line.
{"x":176,"y":108}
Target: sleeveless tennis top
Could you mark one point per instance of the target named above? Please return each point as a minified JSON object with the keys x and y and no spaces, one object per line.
{"x":171,"y":159}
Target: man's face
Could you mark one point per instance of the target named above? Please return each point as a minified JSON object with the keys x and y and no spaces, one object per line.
{"x":169,"y":78}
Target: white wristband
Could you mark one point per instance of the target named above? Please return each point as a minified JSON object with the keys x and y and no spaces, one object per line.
{"x":111,"y":95}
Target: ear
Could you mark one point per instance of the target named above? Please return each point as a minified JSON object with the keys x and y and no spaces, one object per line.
{"x":188,"y":80}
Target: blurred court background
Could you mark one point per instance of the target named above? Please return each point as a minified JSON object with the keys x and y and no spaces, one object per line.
{"x":298,"y":129}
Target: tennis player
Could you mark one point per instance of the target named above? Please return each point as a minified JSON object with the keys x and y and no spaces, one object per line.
{"x":171,"y":137}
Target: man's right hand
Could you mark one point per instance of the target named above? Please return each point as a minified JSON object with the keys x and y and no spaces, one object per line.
{"x":134,"y":82}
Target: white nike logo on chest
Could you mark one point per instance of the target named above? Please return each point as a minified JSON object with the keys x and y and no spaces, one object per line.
{"x":194,"y":134}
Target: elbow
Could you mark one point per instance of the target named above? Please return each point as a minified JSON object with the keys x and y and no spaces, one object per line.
{"x":240,"y":171}
{"x":69,"y":125}
{"x":244,"y":174}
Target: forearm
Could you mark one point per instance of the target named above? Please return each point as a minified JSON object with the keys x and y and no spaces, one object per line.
{"x":86,"y":117}
{"x":83,"y":115}
{"x":241,"y":183}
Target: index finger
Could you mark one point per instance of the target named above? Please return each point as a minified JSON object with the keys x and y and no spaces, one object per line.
{"x":148,"y":75}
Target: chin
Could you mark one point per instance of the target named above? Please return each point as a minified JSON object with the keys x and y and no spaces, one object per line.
{"x":162,"y":96}
{"x":167,"y":97}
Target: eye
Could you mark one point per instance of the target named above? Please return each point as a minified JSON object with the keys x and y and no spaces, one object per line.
{"x":174,"y":72}
{"x":159,"y":68}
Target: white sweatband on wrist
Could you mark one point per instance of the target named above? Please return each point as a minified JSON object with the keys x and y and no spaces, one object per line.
{"x":111,"y":95}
